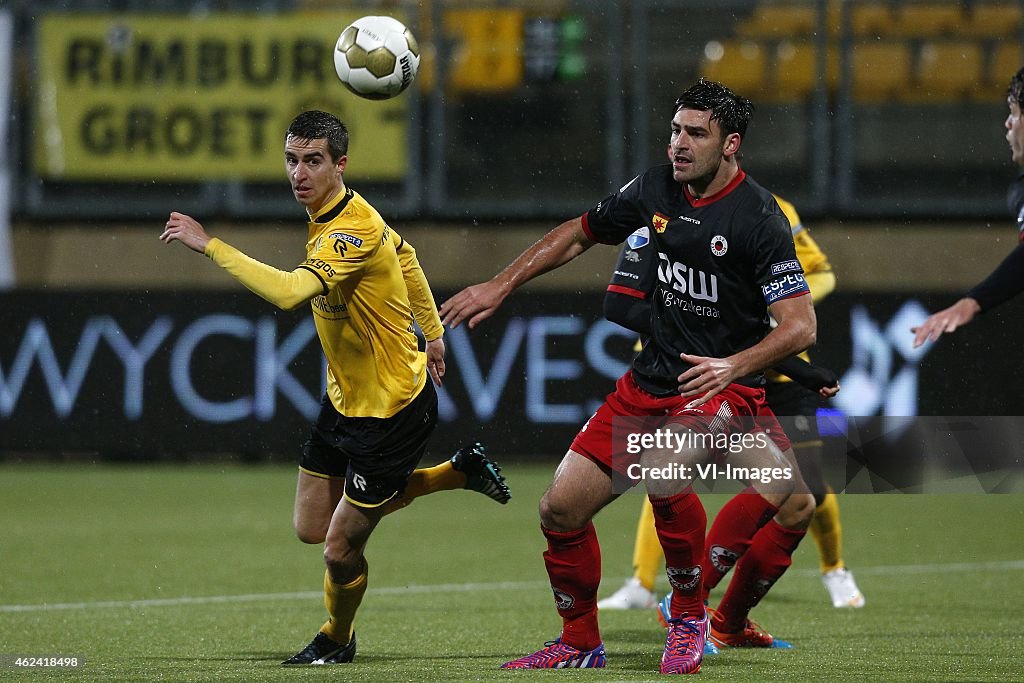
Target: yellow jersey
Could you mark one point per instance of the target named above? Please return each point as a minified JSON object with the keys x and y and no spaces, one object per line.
{"x":367,"y":292}
{"x":810,"y":255}
{"x":817,"y":270}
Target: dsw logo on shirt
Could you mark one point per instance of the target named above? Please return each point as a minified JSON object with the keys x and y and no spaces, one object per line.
{"x":688,"y":280}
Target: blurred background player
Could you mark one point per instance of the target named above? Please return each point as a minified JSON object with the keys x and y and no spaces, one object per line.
{"x":1007,"y":280}
{"x":797,"y":400}
{"x":366,"y":289}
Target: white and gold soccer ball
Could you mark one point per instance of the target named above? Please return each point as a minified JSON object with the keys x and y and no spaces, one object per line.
{"x":376,"y":57}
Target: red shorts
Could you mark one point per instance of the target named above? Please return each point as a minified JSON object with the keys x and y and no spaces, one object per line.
{"x":735,"y":408}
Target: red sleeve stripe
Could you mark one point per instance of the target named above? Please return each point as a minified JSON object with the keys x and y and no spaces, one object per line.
{"x":793,"y":296}
{"x":586,"y":228}
{"x":628,"y":291}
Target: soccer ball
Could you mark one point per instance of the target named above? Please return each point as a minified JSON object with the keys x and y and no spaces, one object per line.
{"x":376,"y":57}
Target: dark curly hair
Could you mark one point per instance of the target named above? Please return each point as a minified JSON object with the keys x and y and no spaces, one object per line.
{"x":732,"y":111}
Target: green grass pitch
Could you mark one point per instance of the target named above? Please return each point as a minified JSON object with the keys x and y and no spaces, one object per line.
{"x":191,"y":573}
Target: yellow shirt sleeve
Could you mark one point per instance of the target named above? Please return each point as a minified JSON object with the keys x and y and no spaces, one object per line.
{"x":821,"y":284}
{"x":286,"y":290}
{"x":420,"y":298}
{"x":817,"y":270}
{"x":811,"y":257}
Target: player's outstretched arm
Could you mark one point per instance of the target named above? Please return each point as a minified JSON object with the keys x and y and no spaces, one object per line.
{"x":1005,"y":282}
{"x":945,"y":321}
{"x":285,"y":290}
{"x":479,"y":302}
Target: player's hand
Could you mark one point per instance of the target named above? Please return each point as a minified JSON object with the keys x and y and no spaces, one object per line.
{"x":475,"y":304}
{"x":435,"y":360}
{"x":821,"y":380}
{"x":708,"y":376}
{"x":945,"y":321}
{"x":186,"y":230}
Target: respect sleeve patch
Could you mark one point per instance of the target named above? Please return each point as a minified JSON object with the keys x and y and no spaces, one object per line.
{"x":784,"y":287}
{"x":786,"y":267}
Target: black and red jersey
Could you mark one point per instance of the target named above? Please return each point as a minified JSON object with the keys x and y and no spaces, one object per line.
{"x":1007,"y":280}
{"x":721,"y":261}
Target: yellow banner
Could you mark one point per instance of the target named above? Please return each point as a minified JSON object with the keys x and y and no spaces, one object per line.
{"x":176,"y":97}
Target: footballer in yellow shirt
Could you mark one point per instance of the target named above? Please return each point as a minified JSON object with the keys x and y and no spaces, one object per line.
{"x":366,"y":291}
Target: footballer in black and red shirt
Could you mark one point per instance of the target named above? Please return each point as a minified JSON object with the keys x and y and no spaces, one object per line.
{"x":1007,"y":280}
{"x":722,"y":260}
{"x":726,"y":260}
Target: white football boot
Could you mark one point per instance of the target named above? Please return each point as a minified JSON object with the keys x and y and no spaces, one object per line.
{"x":842,"y":588}
{"x":632,"y":595}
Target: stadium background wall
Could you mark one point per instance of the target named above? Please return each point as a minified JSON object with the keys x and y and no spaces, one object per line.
{"x":198,"y":374}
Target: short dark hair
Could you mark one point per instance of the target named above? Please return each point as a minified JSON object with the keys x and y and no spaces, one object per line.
{"x":732,"y":111}
{"x":1015,"y":91}
{"x":315,"y":124}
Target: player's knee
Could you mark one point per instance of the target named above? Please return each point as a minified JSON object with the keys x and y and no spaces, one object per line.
{"x":558,"y":516}
{"x":314,"y":534}
{"x":344,"y":563}
{"x":311,"y":538}
{"x":796,"y":512}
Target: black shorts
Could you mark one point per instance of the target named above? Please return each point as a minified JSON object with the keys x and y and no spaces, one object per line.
{"x":374,"y":455}
{"x":797,"y":409}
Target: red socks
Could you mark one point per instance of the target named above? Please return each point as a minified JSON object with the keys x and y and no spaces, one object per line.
{"x":573,"y":560}
{"x":731,"y":534}
{"x":769,"y":557}
{"x":681,"y":521}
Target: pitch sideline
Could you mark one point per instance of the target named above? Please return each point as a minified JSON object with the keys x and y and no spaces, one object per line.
{"x":882,"y":570}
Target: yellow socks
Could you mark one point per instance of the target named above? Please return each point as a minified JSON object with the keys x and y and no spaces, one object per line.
{"x":647,"y":556}
{"x":342,"y":601}
{"x":828,"y":533}
{"x":443,"y":477}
